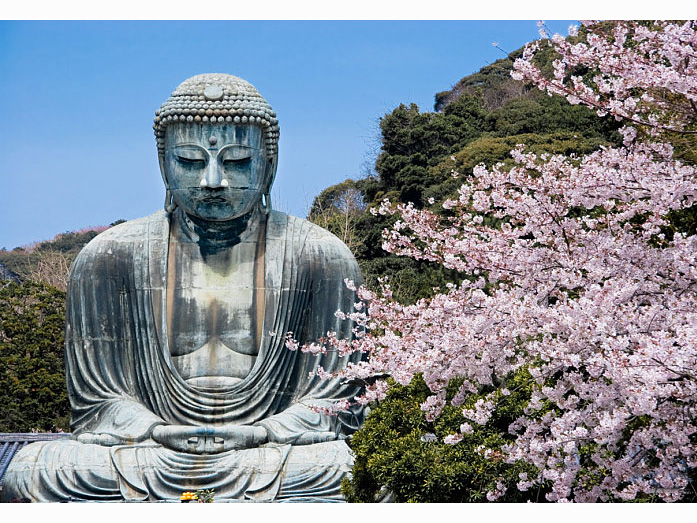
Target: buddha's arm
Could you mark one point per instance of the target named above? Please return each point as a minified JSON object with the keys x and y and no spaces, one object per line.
{"x":300,"y":425}
{"x":101,"y":347}
{"x":119,"y":422}
{"x":330,"y":263}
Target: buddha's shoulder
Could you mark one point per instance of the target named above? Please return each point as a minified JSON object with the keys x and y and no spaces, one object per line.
{"x":133,"y":235}
{"x":311,"y":235}
{"x":126,"y":236}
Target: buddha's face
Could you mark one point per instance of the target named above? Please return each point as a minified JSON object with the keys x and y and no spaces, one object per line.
{"x":216,"y":172}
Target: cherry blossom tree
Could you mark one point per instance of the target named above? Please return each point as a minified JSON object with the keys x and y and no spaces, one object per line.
{"x":572,"y":269}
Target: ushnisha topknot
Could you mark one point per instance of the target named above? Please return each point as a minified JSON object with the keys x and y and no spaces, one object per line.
{"x":217,"y":98}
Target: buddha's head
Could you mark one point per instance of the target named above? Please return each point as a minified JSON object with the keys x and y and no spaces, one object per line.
{"x":217,"y":140}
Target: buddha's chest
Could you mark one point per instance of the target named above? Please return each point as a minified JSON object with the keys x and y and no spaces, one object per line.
{"x":212,"y":314}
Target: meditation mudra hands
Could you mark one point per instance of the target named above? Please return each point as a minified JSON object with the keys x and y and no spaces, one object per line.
{"x":192,"y":439}
{"x":208,"y":439}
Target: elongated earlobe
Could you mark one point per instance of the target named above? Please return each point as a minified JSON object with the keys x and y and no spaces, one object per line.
{"x":169,"y":202}
{"x":266,"y":203}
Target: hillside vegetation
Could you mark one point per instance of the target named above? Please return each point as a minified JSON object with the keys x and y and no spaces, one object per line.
{"x":49,"y":261}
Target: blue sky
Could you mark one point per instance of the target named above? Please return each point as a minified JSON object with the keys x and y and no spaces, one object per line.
{"x":78,"y":97}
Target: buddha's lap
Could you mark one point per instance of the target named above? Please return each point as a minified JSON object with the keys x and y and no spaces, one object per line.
{"x":65,"y":466}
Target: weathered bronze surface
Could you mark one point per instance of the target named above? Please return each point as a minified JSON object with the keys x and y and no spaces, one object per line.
{"x":177,"y":369}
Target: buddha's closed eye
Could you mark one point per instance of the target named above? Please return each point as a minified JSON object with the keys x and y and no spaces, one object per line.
{"x":191,"y":162}
{"x":229,"y":163}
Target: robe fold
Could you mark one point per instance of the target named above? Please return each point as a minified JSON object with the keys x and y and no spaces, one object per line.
{"x":122,"y":381}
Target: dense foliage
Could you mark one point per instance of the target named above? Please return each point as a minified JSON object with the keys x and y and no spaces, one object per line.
{"x":32,"y":375}
{"x":579,"y":270}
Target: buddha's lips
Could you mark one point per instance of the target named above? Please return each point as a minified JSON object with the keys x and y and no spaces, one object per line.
{"x":214,"y":199}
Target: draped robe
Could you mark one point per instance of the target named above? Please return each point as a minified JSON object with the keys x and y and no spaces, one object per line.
{"x":122,"y":381}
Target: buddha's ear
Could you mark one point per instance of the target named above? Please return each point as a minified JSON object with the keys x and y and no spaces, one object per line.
{"x":169,"y":200}
{"x":269,"y":176}
{"x":271,"y":165}
{"x":161,"y":159}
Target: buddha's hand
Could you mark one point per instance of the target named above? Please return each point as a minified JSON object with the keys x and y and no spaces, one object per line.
{"x":209,"y":439}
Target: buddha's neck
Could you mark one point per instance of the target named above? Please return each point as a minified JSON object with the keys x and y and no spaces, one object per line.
{"x":217,"y":234}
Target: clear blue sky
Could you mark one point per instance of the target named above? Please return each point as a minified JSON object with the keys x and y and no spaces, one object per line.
{"x":77,"y":102}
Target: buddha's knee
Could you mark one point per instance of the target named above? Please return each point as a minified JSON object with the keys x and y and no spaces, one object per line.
{"x":316,"y":471}
{"x":321,"y":455}
{"x":60,"y":470}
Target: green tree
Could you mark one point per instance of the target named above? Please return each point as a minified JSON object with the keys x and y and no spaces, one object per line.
{"x":412,"y":141}
{"x":32,"y":372}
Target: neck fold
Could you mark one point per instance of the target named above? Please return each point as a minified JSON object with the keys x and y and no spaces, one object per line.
{"x":219,"y":234}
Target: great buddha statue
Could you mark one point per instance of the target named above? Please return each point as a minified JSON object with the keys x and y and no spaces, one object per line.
{"x":177,"y":370}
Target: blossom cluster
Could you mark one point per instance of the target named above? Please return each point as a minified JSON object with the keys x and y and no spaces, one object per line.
{"x":644,"y":73}
{"x":573,"y":272}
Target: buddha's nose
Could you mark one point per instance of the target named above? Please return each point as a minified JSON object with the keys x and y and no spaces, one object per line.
{"x":213,"y":177}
